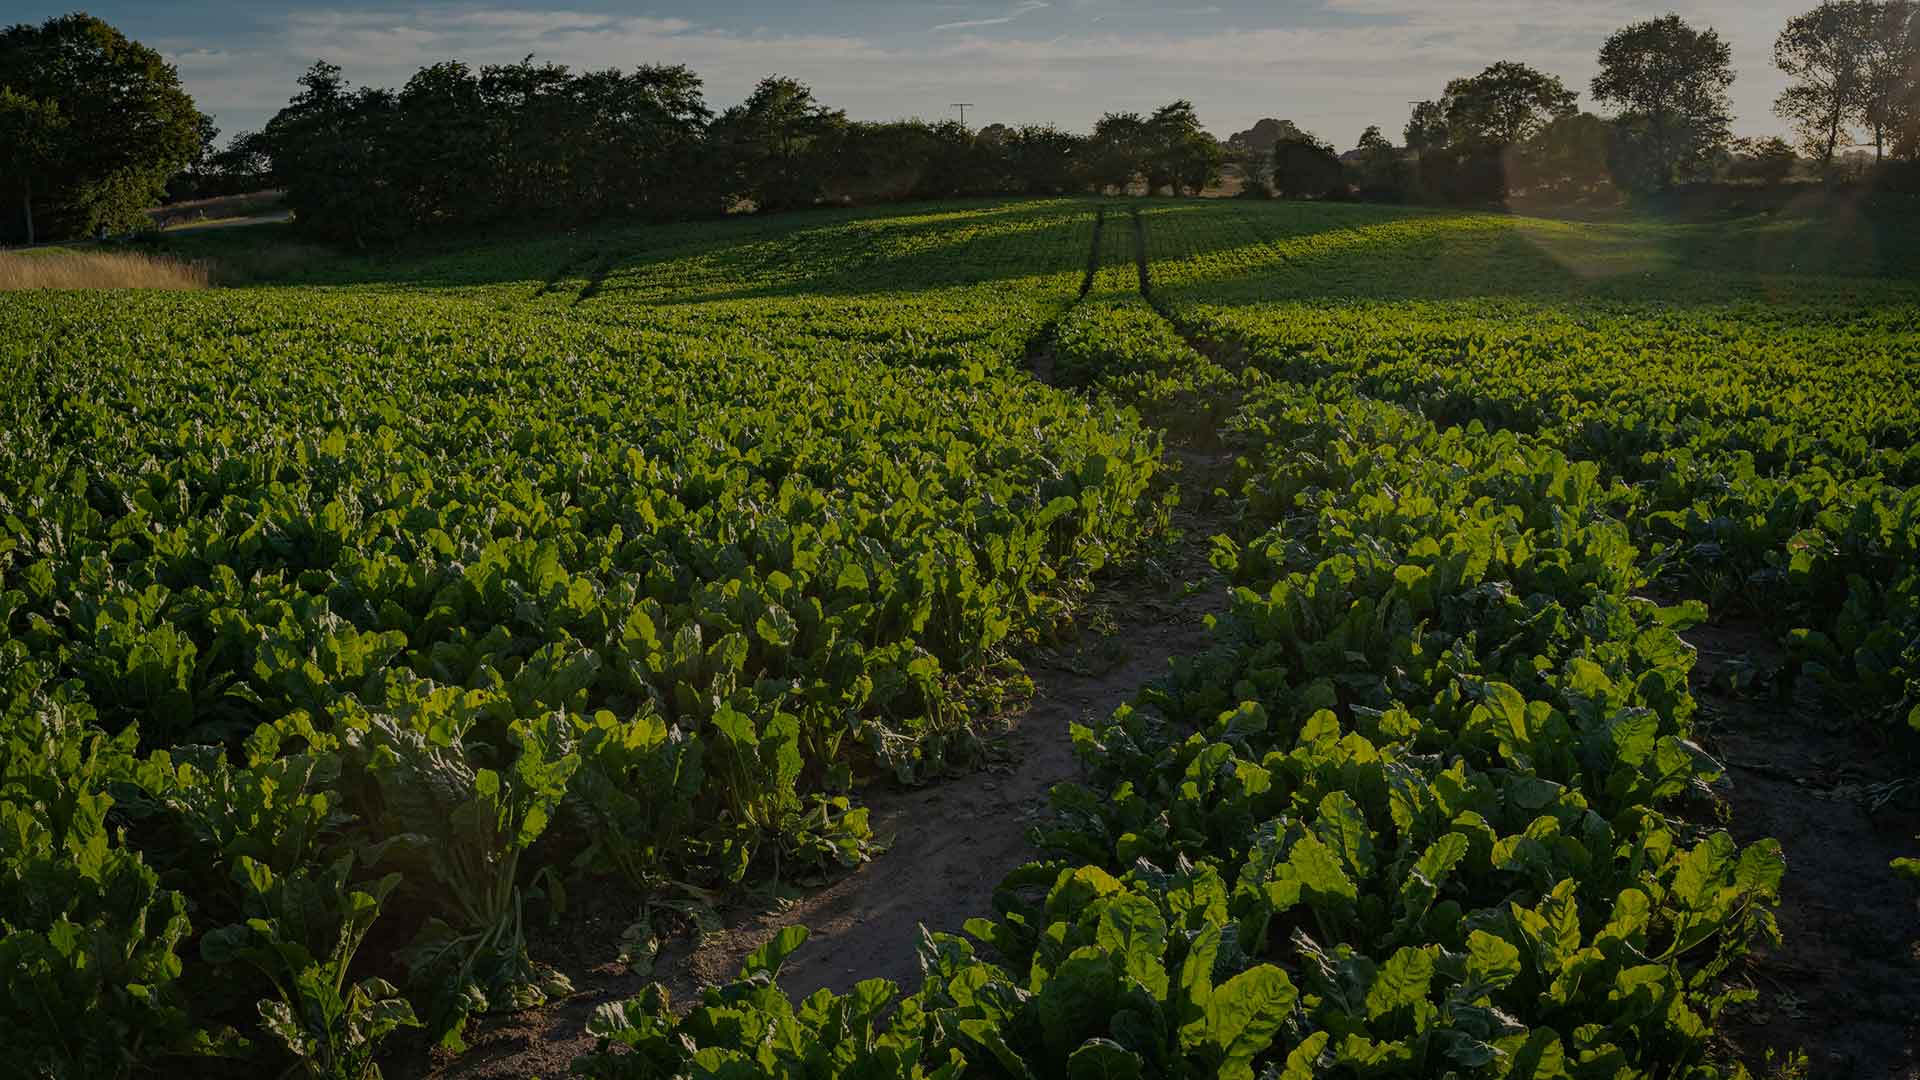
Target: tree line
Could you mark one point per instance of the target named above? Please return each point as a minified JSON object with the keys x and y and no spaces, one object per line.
{"x":1855,"y":66}
{"x":96,"y":127}
{"x":457,"y":146}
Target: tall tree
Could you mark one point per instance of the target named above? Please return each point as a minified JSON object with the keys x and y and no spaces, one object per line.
{"x":334,"y":148}
{"x":1183,"y":157}
{"x":1670,"y":83}
{"x":774,"y":144}
{"x":31,"y":131}
{"x":1252,"y":149}
{"x":245,"y":165}
{"x":1506,"y":104}
{"x":1043,"y":160}
{"x":1907,"y":133}
{"x":649,"y":131}
{"x":1569,"y":154}
{"x":1378,"y":167}
{"x":1118,"y":152}
{"x":1769,"y":161}
{"x":132,"y":124}
{"x":1305,"y":167}
{"x":1822,"y":52}
{"x":1427,"y":128}
{"x":1889,"y":68}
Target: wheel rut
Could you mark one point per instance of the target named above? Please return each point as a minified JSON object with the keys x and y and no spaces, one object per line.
{"x":1844,"y":984}
{"x":949,"y":844}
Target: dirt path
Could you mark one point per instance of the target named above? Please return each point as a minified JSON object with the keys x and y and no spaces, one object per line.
{"x":954,"y":842}
{"x":951,"y":843}
{"x":1845,"y":983}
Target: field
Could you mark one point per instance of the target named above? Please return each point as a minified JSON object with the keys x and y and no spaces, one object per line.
{"x":1490,"y":647}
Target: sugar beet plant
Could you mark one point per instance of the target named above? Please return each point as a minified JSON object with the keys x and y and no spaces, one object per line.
{"x":316,"y":608}
{"x":415,"y":606}
{"x":1414,"y":813}
{"x":1764,"y":426}
{"x":1418,"y":811}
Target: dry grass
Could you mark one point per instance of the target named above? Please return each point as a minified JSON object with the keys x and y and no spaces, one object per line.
{"x":99,"y":270}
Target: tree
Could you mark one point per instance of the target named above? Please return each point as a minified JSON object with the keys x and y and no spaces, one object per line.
{"x":772,"y":145}
{"x":1183,"y":157}
{"x":1907,"y":132}
{"x":1252,"y":150}
{"x":245,"y":164}
{"x":1466,"y":140}
{"x":1117,"y":154}
{"x":31,"y":130}
{"x":1506,"y":104}
{"x":1569,"y":154}
{"x":1889,"y":69}
{"x":1669,"y":82}
{"x":1262,"y":136}
{"x":1427,"y":128}
{"x":649,"y":129}
{"x":1769,"y":161}
{"x":1306,"y":168}
{"x":192,"y":182}
{"x":449,"y":131}
{"x":1379,"y":170}
{"x":130,"y":124}
{"x":1821,"y":51}
{"x":333,"y":148}
{"x":1044,"y":160}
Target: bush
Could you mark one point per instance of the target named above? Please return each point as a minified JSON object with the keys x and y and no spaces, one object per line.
{"x":1306,"y":168}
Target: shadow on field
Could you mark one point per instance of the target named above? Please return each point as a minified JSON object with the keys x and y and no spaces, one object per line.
{"x":1232,"y":254}
{"x":841,"y":252}
{"x":1224,"y":251}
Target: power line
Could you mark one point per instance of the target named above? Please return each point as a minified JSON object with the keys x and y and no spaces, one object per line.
{"x":963,"y":106}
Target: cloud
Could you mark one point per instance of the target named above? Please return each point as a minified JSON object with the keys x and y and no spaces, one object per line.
{"x":1154,"y":13}
{"x":1027,"y":8}
{"x":1334,"y":76}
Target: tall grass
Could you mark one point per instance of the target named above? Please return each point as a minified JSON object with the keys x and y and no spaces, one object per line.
{"x":99,"y":270}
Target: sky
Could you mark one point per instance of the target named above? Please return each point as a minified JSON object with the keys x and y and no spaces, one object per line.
{"x":1332,"y":66}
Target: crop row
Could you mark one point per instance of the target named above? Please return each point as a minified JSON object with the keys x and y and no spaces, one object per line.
{"x":1764,"y":428}
{"x":1413,"y":813}
{"x":322,"y":605}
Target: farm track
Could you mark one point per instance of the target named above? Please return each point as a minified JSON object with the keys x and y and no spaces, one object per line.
{"x":1844,"y":985}
{"x":949,"y":844}
{"x":597,"y":278}
{"x":1093,"y":256}
{"x":561,"y":274}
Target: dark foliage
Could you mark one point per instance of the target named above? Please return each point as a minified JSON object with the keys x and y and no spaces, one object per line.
{"x":1306,"y":168}
{"x":455,"y":147}
{"x":91,"y":125}
{"x":533,"y":142}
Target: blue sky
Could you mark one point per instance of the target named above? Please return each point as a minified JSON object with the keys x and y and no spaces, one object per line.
{"x":1333,"y":66}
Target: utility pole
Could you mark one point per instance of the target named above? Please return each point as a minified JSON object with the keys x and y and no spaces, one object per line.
{"x":963,"y":106}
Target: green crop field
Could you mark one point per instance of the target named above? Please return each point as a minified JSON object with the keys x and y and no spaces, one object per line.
{"x":355,"y":625}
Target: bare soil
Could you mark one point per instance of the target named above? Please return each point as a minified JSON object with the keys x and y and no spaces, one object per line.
{"x":1844,"y":986}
